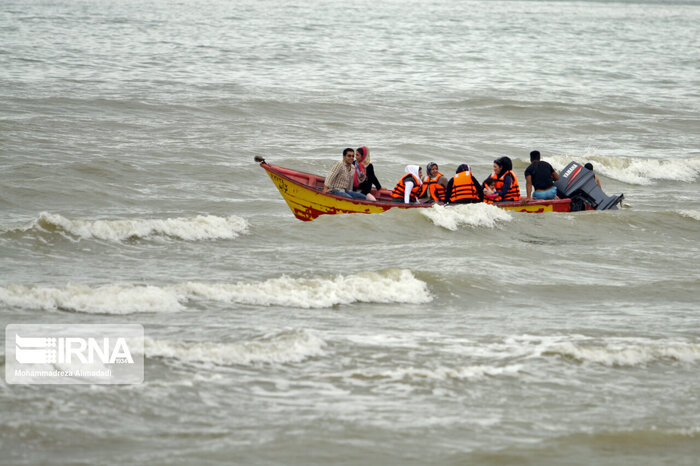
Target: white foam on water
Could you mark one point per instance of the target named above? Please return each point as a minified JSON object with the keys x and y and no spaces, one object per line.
{"x":694,"y":214}
{"x":108,"y":299}
{"x":627,"y":353}
{"x":606,"y":351}
{"x":388,"y":286}
{"x":439,"y":373}
{"x":473,"y":215}
{"x":287,"y":346}
{"x":200,"y":227}
{"x":636,"y":171}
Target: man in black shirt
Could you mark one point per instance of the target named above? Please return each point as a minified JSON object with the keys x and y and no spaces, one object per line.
{"x":541,"y":176}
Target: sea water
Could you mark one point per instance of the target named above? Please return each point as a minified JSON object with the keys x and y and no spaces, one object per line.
{"x":465,"y":335}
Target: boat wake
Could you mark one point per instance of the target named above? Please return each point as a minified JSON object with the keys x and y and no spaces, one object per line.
{"x":472,"y":215}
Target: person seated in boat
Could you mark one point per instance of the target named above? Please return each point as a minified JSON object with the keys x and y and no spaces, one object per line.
{"x":409,"y":187}
{"x":434,"y":184}
{"x":589,"y":166}
{"x":541,"y":176}
{"x":463,"y":188}
{"x":364,"y":176}
{"x":339,"y":179}
{"x":490,"y":190}
{"x":506,"y":183}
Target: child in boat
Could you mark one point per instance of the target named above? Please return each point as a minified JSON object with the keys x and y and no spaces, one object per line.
{"x":490,"y":193}
{"x":489,"y":186}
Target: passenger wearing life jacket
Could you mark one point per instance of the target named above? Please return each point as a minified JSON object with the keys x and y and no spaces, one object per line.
{"x":408,"y":188}
{"x":463,"y":188}
{"x":506,"y":184}
{"x":434,"y":184}
{"x":490,"y":190}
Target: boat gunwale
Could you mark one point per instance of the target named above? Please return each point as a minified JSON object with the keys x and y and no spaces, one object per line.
{"x":277,"y":170}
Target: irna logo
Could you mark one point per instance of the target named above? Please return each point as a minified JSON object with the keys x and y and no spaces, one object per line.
{"x":74,"y":354}
{"x":66,"y":350}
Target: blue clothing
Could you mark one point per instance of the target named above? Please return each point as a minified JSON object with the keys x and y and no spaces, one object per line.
{"x":507,"y":181}
{"x":348,"y":193}
{"x":548,"y":194}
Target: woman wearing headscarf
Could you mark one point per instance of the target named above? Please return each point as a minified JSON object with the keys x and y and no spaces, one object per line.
{"x":364,"y":173}
{"x":507,"y":187}
{"x":434,"y":184}
{"x":408,"y":188}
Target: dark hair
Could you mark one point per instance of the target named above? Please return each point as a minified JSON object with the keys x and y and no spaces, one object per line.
{"x":589,"y":166}
{"x":462,"y":168}
{"x":489,"y":181}
{"x":345,"y":151}
{"x":361,"y":150}
{"x":505,"y":163}
{"x":534,"y":156}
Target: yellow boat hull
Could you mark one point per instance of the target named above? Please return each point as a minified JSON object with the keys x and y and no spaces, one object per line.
{"x":305,"y":197}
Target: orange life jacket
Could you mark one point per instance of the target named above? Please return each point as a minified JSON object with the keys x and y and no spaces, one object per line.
{"x":431,"y":185}
{"x":513,"y":193}
{"x":492,"y":199}
{"x":400,"y":188}
{"x":463,"y":187}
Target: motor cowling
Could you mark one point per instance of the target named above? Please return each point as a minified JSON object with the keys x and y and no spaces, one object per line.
{"x":578,"y":183}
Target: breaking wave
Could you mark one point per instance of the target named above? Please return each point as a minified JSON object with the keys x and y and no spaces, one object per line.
{"x":287,"y":346}
{"x":694,"y":214}
{"x":618,"y":351}
{"x":389,"y":286}
{"x":473,"y":215}
{"x":637,"y":171}
{"x":200,"y":227}
{"x":108,"y":299}
{"x":627,"y":353}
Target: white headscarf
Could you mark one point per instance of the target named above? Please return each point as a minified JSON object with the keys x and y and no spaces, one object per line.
{"x":413,"y":170}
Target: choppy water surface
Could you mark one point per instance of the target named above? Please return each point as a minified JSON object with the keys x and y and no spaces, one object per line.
{"x":464,"y":335}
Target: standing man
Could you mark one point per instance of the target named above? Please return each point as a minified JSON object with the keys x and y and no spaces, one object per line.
{"x":339,"y":179}
{"x":541,"y":176}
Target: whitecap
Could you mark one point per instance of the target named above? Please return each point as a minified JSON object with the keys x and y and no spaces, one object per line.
{"x":627,"y":353}
{"x":440,"y":373}
{"x":694,"y":214}
{"x":107,"y":299}
{"x":286,"y":346}
{"x":388,"y":286}
{"x":639,"y":171}
{"x":200,"y":227}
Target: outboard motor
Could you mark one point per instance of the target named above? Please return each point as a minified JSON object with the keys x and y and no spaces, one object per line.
{"x":578,"y":183}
